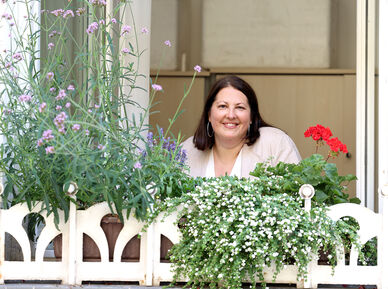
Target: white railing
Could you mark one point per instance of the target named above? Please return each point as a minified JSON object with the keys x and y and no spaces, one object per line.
{"x":72,"y":270}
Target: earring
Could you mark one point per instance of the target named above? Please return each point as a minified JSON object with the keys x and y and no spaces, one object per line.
{"x":208,"y":129}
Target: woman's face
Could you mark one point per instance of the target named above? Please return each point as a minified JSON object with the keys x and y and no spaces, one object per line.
{"x":230,"y":116}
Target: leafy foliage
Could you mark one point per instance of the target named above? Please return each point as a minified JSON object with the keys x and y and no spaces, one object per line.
{"x":330,"y":188}
{"x":69,"y":118}
{"x":232,"y":229}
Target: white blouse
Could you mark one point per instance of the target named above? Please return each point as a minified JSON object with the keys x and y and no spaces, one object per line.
{"x":236,"y":170}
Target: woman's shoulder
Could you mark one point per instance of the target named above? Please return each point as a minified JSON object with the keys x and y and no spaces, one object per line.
{"x":188,"y":144}
{"x":196,"y":159}
{"x":268,"y":131}
{"x":276,"y":143}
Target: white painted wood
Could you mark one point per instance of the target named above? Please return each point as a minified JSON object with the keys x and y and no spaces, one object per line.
{"x":2,"y":237}
{"x":383,"y":96}
{"x":137,"y":15}
{"x":365,"y":131}
{"x":149,"y":270}
{"x":370,"y":113}
{"x":382,"y":248}
{"x":151,"y":254}
{"x":361,"y":103}
{"x":72,"y":245}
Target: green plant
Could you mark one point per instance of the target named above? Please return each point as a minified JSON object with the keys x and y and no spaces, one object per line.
{"x":69,"y":117}
{"x":233,"y":229}
{"x":330,"y":187}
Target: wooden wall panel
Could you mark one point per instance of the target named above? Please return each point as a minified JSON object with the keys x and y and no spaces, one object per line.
{"x":167,"y":101}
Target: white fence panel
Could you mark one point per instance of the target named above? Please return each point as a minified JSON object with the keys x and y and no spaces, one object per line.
{"x":72,"y":270}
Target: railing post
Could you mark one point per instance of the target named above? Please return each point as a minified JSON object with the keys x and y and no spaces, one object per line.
{"x":2,"y":236}
{"x":150,"y":255}
{"x":307,"y":192}
{"x":382,"y":244}
{"x":72,"y":249}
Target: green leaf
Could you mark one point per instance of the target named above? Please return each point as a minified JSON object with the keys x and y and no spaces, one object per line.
{"x":320,"y":196}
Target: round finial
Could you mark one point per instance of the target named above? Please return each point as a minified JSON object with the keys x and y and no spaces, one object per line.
{"x":384,"y":190}
{"x":72,"y":189}
{"x":307,"y":191}
{"x":1,"y":188}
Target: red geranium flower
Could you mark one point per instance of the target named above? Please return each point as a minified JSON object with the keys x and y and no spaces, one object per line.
{"x":336,"y":145}
{"x":318,"y":132}
{"x":322,"y":134}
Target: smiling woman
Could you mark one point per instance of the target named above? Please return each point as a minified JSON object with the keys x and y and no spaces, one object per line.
{"x":231,"y":137}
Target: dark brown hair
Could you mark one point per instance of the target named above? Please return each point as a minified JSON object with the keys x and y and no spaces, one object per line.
{"x":201,"y":138}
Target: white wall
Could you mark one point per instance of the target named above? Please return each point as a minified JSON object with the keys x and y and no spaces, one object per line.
{"x":266,"y":33}
{"x":263,"y":33}
{"x":164,"y":26}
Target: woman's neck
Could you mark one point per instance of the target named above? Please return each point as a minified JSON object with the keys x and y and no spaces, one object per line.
{"x":224,"y":158}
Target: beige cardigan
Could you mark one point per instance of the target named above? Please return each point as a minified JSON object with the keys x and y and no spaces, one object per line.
{"x":273,"y":145}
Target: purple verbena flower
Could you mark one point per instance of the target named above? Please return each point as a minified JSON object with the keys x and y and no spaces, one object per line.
{"x":98,"y":2}
{"x":7,"y":16}
{"x":76,"y":127}
{"x":17,"y":56}
{"x":167,"y":43}
{"x":92,"y":27}
{"x":137,"y":165}
{"x":50,"y":75}
{"x":125,"y":50}
{"x":49,"y":150}
{"x":70,"y":87}
{"x":61,"y":94}
{"x":126,"y":29}
{"x":68,"y":105}
{"x":59,"y":121}
{"x":197,"y":68}
{"x":50,"y":46}
{"x":157,"y":87}
{"x":80,"y":11}
{"x":47,"y":135}
{"x":39,"y":143}
{"x":42,"y":107}
{"x":25,"y":98}
{"x":58,"y":107}
{"x":68,"y":13}
{"x":100,"y":147}
{"x":87,"y":132}
{"x":53,"y":33}
{"x":113,"y":20}
{"x":58,"y":12}
{"x":145,"y":30}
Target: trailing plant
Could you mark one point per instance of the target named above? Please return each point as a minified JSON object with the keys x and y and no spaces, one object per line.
{"x":232,"y":229}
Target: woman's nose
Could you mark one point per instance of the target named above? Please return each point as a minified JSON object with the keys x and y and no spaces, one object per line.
{"x":231,"y":114}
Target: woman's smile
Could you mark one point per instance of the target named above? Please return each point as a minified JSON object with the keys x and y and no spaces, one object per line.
{"x":230,"y":116}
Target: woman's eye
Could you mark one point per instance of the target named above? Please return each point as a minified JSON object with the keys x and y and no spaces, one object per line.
{"x":222,"y":106}
{"x":240,"y":107}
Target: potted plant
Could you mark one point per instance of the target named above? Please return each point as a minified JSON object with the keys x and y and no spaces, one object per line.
{"x":330,"y":187}
{"x":234,"y":228}
{"x":67,"y":117}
